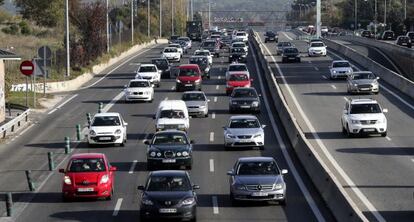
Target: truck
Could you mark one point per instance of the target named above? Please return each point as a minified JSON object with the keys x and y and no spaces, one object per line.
{"x":194,"y":30}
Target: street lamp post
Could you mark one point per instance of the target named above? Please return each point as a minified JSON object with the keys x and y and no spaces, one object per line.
{"x":209,"y":15}
{"x":192,"y":10}
{"x":356,"y":15}
{"x":172,"y":17}
{"x":160,"y":18}
{"x":318,"y":18}
{"x":132,"y":22}
{"x":149,"y":19}
{"x":67,"y":39}
{"x":107,"y":26}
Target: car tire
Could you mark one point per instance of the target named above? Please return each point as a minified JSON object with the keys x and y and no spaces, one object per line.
{"x":150,"y":166}
{"x":158,"y":85}
{"x":189,"y":166}
{"x":65,"y":198}
{"x":384,"y":134}
{"x":376,"y":93}
{"x":261,"y":147}
{"x":348,"y":133}
{"x":90,"y":145}
{"x":206,"y":115}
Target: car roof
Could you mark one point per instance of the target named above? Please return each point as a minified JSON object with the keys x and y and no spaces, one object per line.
{"x":171,"y":104}
{"x":168,"y":173}
{"x":362,"y":72}
{"x":335,"y":61}
{"x":193,"y":92}
{"x":107,"y":114}
{"x":317,"y":42}
{"x":87,"y":155}
{"x":237,"y":64}
{"x":147,"y":65}
{"x":188,"y":66}
{"x":256,"y":158}
{"x":170,"y":48}
{"x":138,"y":80}
{"x":364,"y":101}
{"x":243,"y":117}
{"x":170,"y":131}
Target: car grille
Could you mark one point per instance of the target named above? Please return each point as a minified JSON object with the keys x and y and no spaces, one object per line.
{"x":173,"y":126}
{"x":169,"y":154}
{"x":193,"y":107}
{"x":167,"y":203}
{"x":147,"y":77}
{"x":266,"y":187}
{"x":244,"y":136}
{"x":368,"y":122}
{"x":98,"y":139}
{"x":364,"y":86}
{"x":342,"y":72}
{"x":244,"y":102}
{"x":245,"y":144}
{"x":86,"y":183}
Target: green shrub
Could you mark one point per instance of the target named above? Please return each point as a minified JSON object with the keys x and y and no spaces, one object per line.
{"x":24,"y":28}
{"x":12,"y":29}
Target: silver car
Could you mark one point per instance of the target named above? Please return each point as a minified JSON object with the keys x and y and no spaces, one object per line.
{"x":244,"y":131}
{"x":196,"y":102}
{"x":257,"y":179}
{"x":363,"y":82}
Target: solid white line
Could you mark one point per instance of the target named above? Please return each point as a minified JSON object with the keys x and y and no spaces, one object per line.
{"x":72,"y":97}
{"x":166,"y":98}
{"x":219,"y":77}
{"x":211,"y":165}
{"x":173,"y":87}
{"x":213,"y":116}
{"x":131,"y":170}
{"x":52,"y":111}
{"x":282,"y":144}
{"x":26,"y":129}
{"x":324,"y":149}
{"x":346,"y":99}
{"x":217,"y":87}
{"x":316,"y":68}
{"x":211,"y":136}
{"x":215,"y":99}
{"x":215,"y":205}
{"x":388,"y":138}
{"x":323,"y":76}
{"x":412,"y":160}
{"x":333,"y":86}
{"x":117,"y":207}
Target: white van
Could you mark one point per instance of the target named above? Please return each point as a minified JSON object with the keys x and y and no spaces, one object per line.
{"x":172,"y":114}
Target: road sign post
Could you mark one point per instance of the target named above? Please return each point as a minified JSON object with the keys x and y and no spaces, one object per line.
{"x":45,"y":53}
{"x":27,"y":68}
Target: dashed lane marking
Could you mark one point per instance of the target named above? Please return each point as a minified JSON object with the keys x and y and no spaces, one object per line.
{"x":215,"y":205}
{"x":211,"y":136}
{"x":211,"y":165}
{"x":316,"y":68}
{"x":215,"y":99}
{"x":117,"y":207}
{"x":333,"y":86}
{"x":323,"y":76}
{"x":213,"y":116}
{"x":131,"y":170}
{"x":217,"y":87}
{"x":388,"y":138}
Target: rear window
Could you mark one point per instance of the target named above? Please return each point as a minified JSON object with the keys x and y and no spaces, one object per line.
{"x":317,"y":44}
{"x":291,"y":50}
{"x":193,"y":97}
{"x":241,"y":34}
{"x":238,"y":77}
{"x":238,"y":50}
{"x":87,"y":165}
{"x":172,"y":114}
{"x":170,"y":50}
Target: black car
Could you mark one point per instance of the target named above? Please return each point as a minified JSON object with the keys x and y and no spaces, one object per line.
{"x":410,"y":35}
{"x":169,"y":148}
{"x":163,"y":65}
{"x":238,"y":55}
{"x":388,"y":35}
{"x":367,"y":34}
{"x":271,"y":37}
{"x":404,"y":41}
{"x":212,"y":46}
{"x":244,"y":99}
{"x":168,"y":194}
{"x":202,"y":62}
{"x":173,"y":39}
{"x":290,"y":54}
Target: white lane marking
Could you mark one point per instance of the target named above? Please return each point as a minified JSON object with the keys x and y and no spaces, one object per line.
{"x":217,"y":87}
{"x":388,"y":138}
{"x":112,"y":103}
{"x":324,"y":149}
{"x":309,"y":62}
{"x":316,"y":68}
{"x":346,"y":99}
{"x":219,"y":77}
{"x":282,"y":144}
{"x":287,"y":36}
{"x":22,"y":132}
{"x":323,"y":76}
{"x":382,"y":86}
{"x":215,"y":99}
{"x":117,"y":207}
{"x":131,"y":170}
{"x":166,"y":98}
{"x":333,"y":86}
{"x":123,"y":63}
{"x":211,"y":136}
{"x":388,"y":59}
{"x":62,"y":104}
{"x":213,"y":116}
{"x":211,"y":165}
{"x":215,"y":205}
{"x":412,"y":160}
{"x":173,"y":87}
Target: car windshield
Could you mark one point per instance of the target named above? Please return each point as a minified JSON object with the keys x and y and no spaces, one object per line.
{"x":160,"y":63}
{"x":188,"y":72}
{"x":237,"y":68}
{"x":198,"y":60}
{"x":241,"y":34}
{"x":209,"y":44}
{"x":168,"y":183}
{"x":169,"y":139}
{"x":317,"y":44}
{"x":138,"y":84}
{"x":174,"y":37}
{"x":237,"y":50}
{"x":238,"y":77}
{"x":291,"y":50}
{"x":106,"y":121}
{"x":170,"y":50}
{"x":341,"y":64}
{"x":244,"y":123}
{"x":201,"y":53}
{"x":193,"y":97}
{"x":244,"y":93}
{"x":147,"y":69}
{"x":283,"y":44}
{"x":258,"y":168}
{"x":365,"y":108}
{"x":238,"y":45}
{"x":87,"y":165}
{"x":169,"y":113}
{"x":364,"y":76}
{"x":184,"y":39}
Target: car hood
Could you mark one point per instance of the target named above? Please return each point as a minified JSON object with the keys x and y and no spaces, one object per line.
{"x":195,"y":103}
{"x":364,"y":81}
{"x":173,"y":196}
{"x":105,"y":129}
{"x":171,"y":54}
{"x":139,"y":89}
{"x":259,"y":179}
{"x":339,"y":69}
{"x":371,"y":116}
{"x":147,"y":74}
{"x":86,"y":177}
{"x":171,"y":121}
{"x":169,"y":147}
{"x":239,"y":83}
{"x":244,"y":131}
{"x":188,"y":78}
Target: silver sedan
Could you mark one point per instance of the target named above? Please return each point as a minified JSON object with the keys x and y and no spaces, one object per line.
{"x":196,"y":102}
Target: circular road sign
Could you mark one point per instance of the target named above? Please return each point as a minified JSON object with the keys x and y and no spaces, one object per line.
{"x":44,"y":52}
{"x":27,"y":68}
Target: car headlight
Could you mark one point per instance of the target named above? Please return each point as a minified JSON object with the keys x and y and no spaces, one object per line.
{"x":160,"y":126}
{"x":353,"y":121}
{"x":178,"y":154}
{"x":348,"y":71}
{"x":146,"y":202}
{"x":230,"y":136}
{"x":178,"y":81}
{"x":255,"y":103}
{"x":277,"y":186}
{"x":92,"y":133}
{"x":355,"y":84}
{"x":185,"y":153}
{"x":118,"y":131}
{"x":240,"y":187}
{"x":67,"y":180}
{"x":153,"y":154}
{"x":158,"y":154}
{"x":146,"y":93}
{"x":104,"y":179}
{"x":198,"y":81}
{"x":234,"y":103}
{"x":202,"y":107}
{"x":334,"y":71}
{"x":189,"y":201}
{"x":257,"y":135}
{"x":384,"y":120}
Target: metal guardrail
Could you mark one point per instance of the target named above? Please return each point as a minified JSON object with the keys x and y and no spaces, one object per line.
{"x":16,"y":122}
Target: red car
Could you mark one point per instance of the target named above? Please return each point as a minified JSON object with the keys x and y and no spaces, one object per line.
{"x":88,"y":175}
{"x":237,"y":80}
{"x":188,"y":78}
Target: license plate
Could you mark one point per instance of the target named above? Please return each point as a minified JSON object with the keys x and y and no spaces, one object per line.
{"x":244,"y":141}
{"x":369,"y":130}
{"x":168,"y":210}
{"x":244,"y":107}
{"x":87,"y":189}
{"x":188,"y":84}
{"x":105,"y":138}
{"x":259,"y":194}
{"x":364,"y":88}
{"x":168,"y":160}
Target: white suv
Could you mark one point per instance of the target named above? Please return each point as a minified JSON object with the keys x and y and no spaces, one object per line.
{"x":107,"y":128}
{"x":363,"y":116}
{"x":340,"y":69}
{"x":317,"y":49}
{"x":149,"y":72}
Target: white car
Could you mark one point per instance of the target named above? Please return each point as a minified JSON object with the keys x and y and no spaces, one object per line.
{"x":242,"y":36}
{"x":317,"y":49}
{"x":172,"y":54}
{"x":107,"y":128}
{"x":178,"y":46}
{"x":363,"y":116}
{"x":244,"y":131}
{"x":149,"y":72}
{"x":237,"y":68}
{"x":188,"y":40}
{"x":139,"y":90}
{"x":207,"y":53}
{"x":240,"y":45}
{"x":340,"y":69}
{"x":172,"y":114}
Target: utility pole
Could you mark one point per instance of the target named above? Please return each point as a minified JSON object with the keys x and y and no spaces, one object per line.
{"x":132,"y":22}
{"x":209,"y":15}
{"x":172,"y":17}
{"x":318,"y":18}
{"x":192,"y":10}
{"x":107,"y":26}
{"x":67,"y":38}
{"x":376,"y":19}
{"x":160,"y":18}
{"x":405,"y":9}
{"x":356,"y":15}
{"x":385,"y":13}
{"x":149,"y":19}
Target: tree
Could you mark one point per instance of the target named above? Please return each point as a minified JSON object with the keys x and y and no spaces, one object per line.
{"x":1,"y":2}
{"x":44,"y":12}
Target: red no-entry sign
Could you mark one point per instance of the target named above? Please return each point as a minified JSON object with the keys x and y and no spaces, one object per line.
{"x":27,"y":68}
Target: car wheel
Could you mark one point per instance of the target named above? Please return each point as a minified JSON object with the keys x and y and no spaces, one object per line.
{"x":206,"y":115}
{"x":150,"y":166}
{"x":65,"y":198}
{"x":348,"y":133}
{"x":189,"y":167}
{"x":261,"y":147}
{"x":110,"y":196}
{"x":90,"y":145}
{"x":376,"y":93}
{"x":158,"y":85}
{"x":384,"y":134}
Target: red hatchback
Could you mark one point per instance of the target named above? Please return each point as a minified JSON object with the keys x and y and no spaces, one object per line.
{"x":88,"y":175}
{"x":237,"y":80}
{"x":189,"y":78}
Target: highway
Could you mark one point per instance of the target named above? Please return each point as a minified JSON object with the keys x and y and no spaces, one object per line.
{"x":377,"y":172}
{"x":211,"y":161}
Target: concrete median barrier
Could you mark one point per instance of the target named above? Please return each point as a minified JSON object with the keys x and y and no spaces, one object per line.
{"x":334,"y":195}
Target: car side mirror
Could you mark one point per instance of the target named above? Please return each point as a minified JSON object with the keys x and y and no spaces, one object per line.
{"x":263,"y":126}
{"x":140,"y":187}
{"x":378,"y":78}
{"x":126,"y":124}
{"x":284,"y":171}
{"x":260,"y":95}
{"x":192,"y":141}
{"x":112,"y":168}
{"x":196,"y":187}
{"x":385,"y":110}
{"x":61,"y":170}
{"x":146,"y":142}
{"x":230,"y":173}
{"x":224,"y":127}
